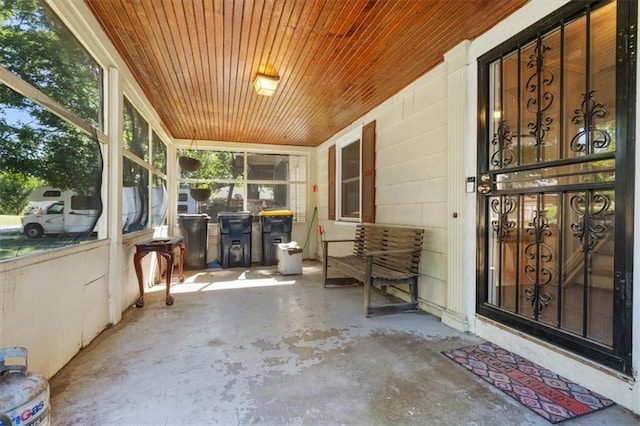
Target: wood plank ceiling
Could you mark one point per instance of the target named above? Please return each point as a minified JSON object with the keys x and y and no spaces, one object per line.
{"x":337,"y":59}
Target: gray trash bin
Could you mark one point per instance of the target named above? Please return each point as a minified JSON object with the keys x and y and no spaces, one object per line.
{"x":234,"y":239}
{"x":276,"y":229}
{"x":194,"y":230}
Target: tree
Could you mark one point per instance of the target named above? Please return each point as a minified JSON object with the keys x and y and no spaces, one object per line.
{"x":216,"y":165}
{"x":35,"y":143}
{"x":14,"y":190}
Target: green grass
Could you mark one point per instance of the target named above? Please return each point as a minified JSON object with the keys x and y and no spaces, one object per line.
{"x":16,"y":247}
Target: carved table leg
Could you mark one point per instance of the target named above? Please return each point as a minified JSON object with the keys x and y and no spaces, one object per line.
{"x":159,"y":272}
{"x":169,"y":257}
{"x":181,"y":262}
{"x":136,"y":263}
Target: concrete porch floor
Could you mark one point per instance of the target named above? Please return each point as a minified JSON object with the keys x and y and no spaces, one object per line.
{"x":243,"y":347}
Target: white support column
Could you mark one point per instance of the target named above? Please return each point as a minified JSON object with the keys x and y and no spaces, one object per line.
{"x":173,"y":172}
{"x":114,"y":199}
{"x":457,"y":86}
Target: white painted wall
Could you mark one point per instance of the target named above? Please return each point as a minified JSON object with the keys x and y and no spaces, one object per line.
{"x":411,"y":172}
{"x":54,"y":303}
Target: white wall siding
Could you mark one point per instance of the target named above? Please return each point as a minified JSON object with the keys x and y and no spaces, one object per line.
{"x":411,"y":176}
{"x":54,"y":303}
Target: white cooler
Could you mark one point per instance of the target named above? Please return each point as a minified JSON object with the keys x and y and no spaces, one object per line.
{"x":289,"y":258}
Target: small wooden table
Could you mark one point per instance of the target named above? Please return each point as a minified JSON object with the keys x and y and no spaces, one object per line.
{"x":163,"y":248}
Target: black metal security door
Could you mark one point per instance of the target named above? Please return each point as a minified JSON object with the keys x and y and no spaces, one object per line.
{"x":555,"y":176}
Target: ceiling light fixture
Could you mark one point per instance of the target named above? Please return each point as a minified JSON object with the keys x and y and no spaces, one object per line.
{"x":266,"y":84}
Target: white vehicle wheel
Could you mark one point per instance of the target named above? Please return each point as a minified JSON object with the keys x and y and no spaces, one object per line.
{"x":33,"y":231}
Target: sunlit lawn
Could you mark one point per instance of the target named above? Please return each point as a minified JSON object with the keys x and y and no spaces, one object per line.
{"x":10,"y":248}
{"x":14,"y":247}
{"x":13,"y":244}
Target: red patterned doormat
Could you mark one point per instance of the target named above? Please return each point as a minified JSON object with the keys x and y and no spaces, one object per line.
{"x":549,"y":395}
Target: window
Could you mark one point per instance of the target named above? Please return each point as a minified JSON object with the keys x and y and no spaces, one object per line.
{"x":348,"y":159}
{"x":352,"y":176}
{"x":85,"y":202}
{"x":159,"y":199}
{"x":135,"y":137}
{"x":56,"y":208}
{"x":144,"y":192}
{"x":46,"y":74}
{"x":159,"y":195}
{"x":159,"y":153}
{"x":246,"y":181}
{"x":39,"y":149}
{"x":37,"y":47}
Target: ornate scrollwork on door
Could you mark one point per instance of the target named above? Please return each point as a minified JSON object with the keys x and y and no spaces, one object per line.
{"x":503,"y":207}
{"x":591,"y":137}
{"x":539,"y":272}
{"x":503,"y":138}
{"x":542,"y":99}
{"x":543,"y":299}
{"x":597,"y":204}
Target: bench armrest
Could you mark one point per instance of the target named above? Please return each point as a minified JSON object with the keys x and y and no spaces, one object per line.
{"x":383,"y":252}
{"x":325,"y":247}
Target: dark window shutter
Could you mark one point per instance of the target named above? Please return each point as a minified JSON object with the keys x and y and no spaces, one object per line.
{"x":368,"y":174}
{"x":332,"y":182}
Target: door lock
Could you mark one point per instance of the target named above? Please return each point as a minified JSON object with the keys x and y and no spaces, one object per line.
{"x":485,"y":186}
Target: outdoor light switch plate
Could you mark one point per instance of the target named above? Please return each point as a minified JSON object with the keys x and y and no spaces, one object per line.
{"x":471,"y":184}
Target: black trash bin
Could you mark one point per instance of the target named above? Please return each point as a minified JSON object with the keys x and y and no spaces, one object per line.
{"x":276,"y":229}
{"x":234,"y":239}
{"x":194,"y":230}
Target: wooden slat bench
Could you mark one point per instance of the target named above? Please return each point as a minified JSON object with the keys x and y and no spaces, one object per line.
{"x":382,"y":256}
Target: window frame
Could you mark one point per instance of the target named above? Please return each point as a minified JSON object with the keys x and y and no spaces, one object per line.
{"x":367,"y":175}
{"x":90,"y":126}
{"x":343,"y":142}
{"x":243,"y":182}
{"x":151,"y":217}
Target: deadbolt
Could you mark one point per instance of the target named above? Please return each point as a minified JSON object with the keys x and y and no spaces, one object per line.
{"x":485,"y":188}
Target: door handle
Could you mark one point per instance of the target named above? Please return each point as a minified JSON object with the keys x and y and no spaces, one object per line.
{"x":485,"y":186}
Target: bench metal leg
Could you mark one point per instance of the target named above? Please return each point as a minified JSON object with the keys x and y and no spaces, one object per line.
{"x":367,"y":285}
{"x":388,"y":308}
{"x":414,"y":291}
{"x":325,"y":247}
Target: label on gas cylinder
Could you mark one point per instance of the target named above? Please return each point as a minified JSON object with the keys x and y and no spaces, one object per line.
{"x":33,"y":413}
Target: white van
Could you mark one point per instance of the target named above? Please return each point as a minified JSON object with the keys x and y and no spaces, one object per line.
{"x":67,"y":212}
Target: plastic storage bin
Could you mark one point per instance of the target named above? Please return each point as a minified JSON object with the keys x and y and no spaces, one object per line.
{"x":289,"y":258}
{"x":194,"y":230}
{"x":234,"y":239}
{"x":276,"y":229}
